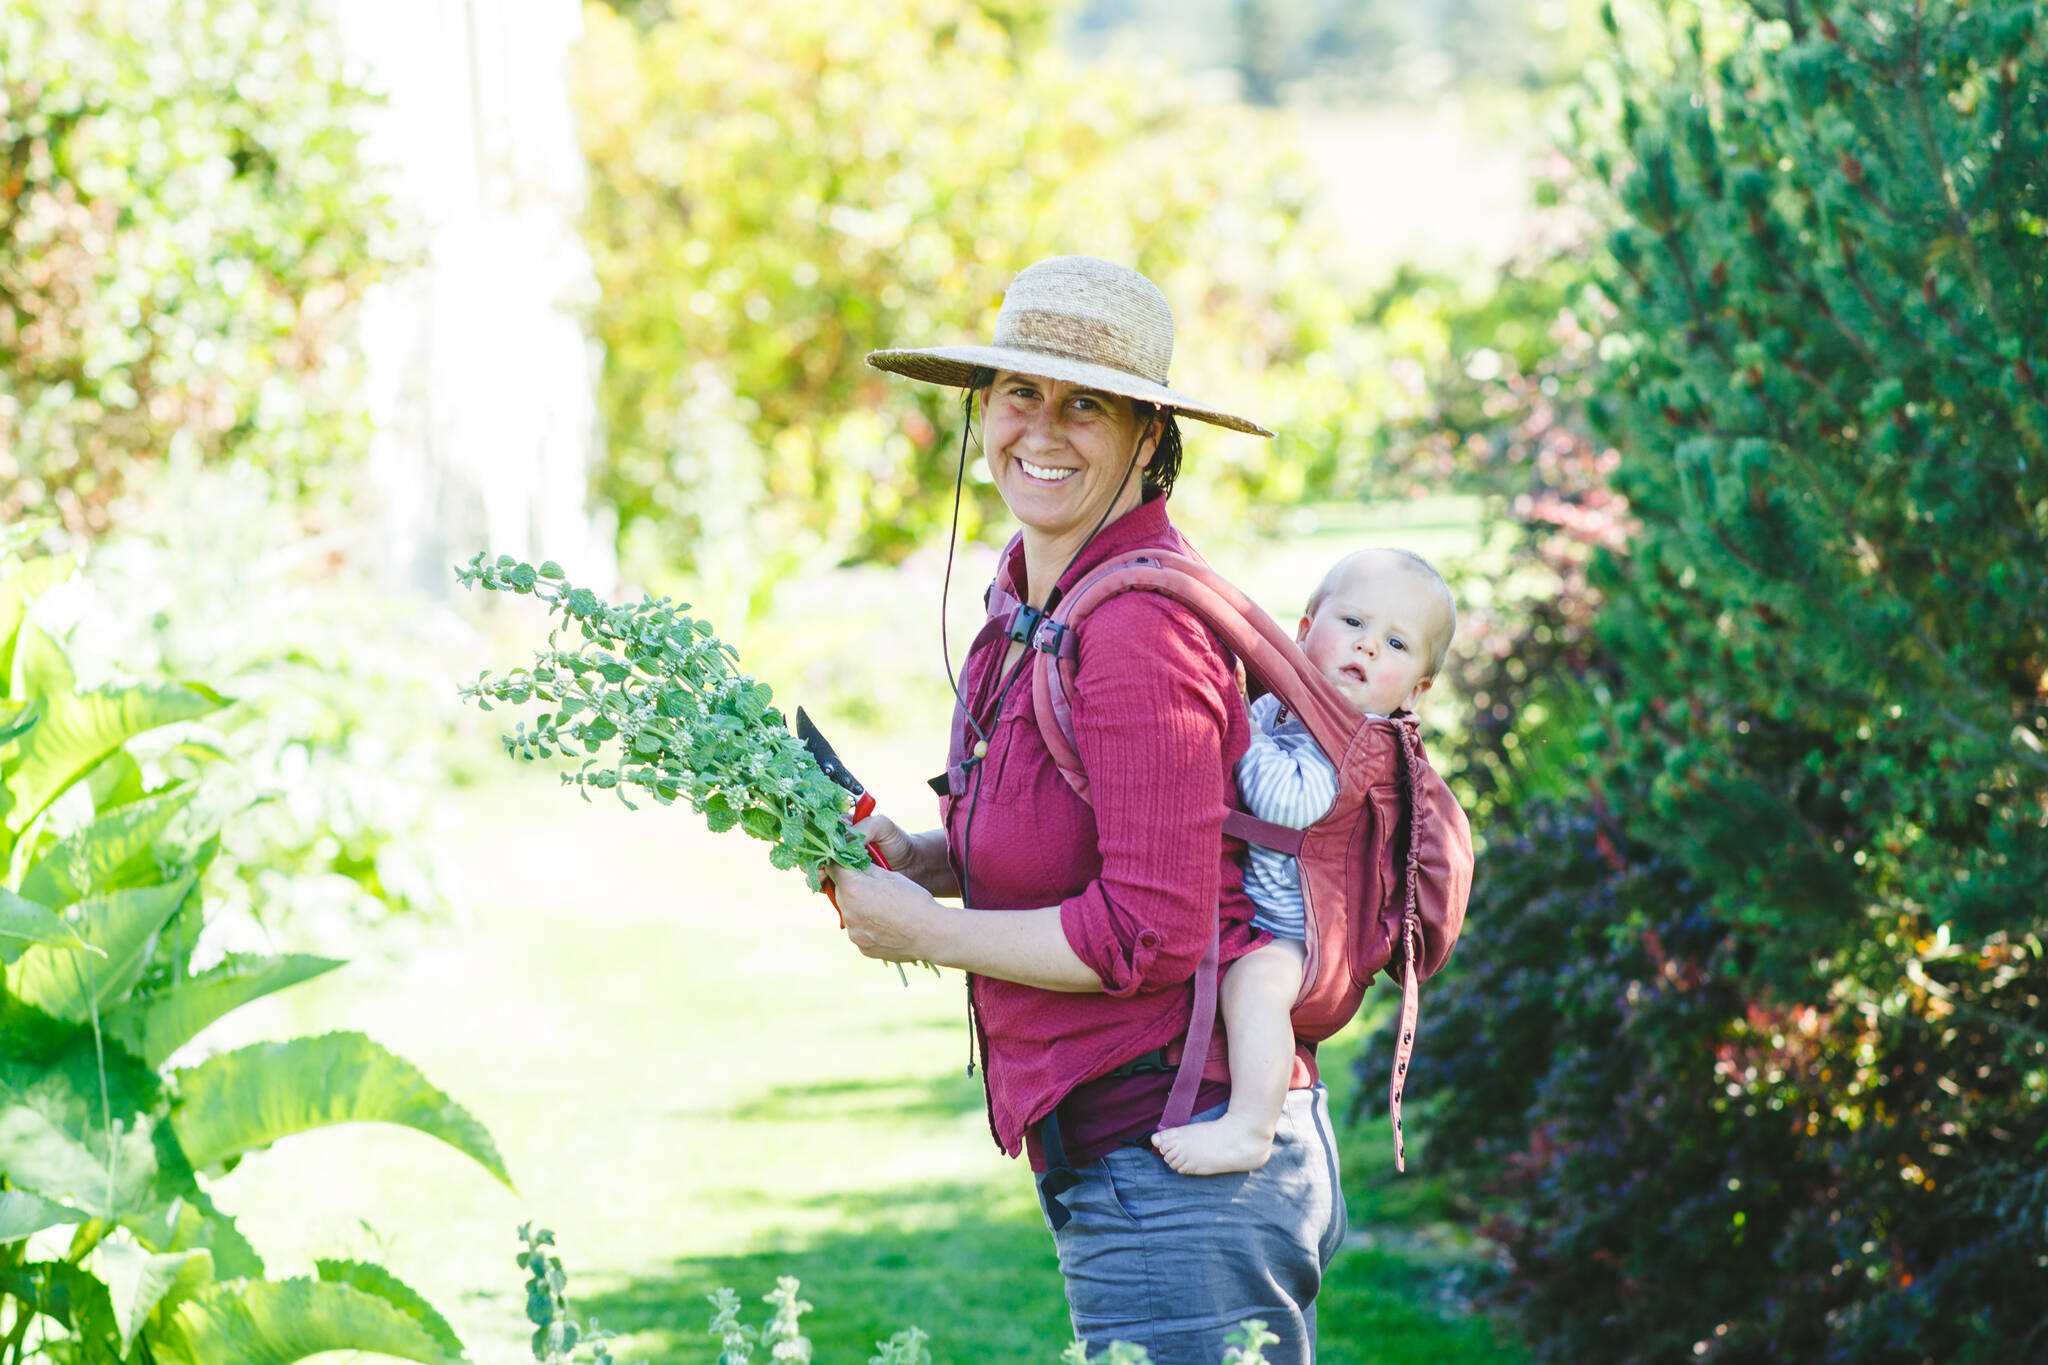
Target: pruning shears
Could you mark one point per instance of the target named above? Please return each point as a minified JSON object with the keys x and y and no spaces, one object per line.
{"x":863,"y":799}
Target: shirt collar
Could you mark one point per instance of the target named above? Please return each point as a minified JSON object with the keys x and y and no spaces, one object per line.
{"x":1143,"y":527}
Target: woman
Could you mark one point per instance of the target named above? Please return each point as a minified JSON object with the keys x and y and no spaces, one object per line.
{"x":1082,"y":922}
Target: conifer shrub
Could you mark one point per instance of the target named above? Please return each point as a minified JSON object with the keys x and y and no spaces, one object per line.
{"x":1749,"y":1054}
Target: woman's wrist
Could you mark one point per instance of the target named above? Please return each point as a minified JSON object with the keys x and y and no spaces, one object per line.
{"x":929,"y":866}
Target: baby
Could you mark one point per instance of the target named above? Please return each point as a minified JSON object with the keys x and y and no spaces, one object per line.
{"x":1378,"y":627}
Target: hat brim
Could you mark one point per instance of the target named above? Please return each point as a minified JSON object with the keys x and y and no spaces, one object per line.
{"x":955,"y":366}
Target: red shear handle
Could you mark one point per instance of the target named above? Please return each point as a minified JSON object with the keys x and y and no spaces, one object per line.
{"x":862,"y":809}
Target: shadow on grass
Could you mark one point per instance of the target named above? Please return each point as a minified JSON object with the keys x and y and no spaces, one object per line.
{"x":943,"y":1097}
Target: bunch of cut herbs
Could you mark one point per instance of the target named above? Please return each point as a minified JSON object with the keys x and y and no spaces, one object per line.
{"x":651,"y":696}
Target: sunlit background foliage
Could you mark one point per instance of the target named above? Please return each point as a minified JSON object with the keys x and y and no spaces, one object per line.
{"x":779,"y":191}
{"x":187,"y":224}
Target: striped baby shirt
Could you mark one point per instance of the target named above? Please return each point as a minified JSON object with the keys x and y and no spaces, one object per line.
{"x":1283,"y":777}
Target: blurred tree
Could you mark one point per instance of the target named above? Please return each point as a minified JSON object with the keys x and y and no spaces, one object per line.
{"x":1755,"y":1048}
{"x":1263,"y":41}
{"x":780,"y":189}
{"x":1349,"y":52}
{"x":185,"y":226}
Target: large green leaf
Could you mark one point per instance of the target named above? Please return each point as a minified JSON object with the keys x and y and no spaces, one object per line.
{"x":137,"y":1279}
{"x":123,"y":925}
{"x":117,"y":850}
{"x":247,"y":1099}
{"x":277,"y":1322}
{"x":74,"y":1130}
{"x":156,"y":1025}
{"x":66,"y":1294}
{"x":115,"y":781}
{"x":20,"y":723}
{"x":25,"y":923}
{"x":375,"y":1279}
{"x":63,"y":1138}
{"x":190,"y":1222}
{"x":17,"y":591}
{"x":79,"y":729}
{"x":23,"y":1214}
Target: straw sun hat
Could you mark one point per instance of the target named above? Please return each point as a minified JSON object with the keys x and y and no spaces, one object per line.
{"x":1075,"y":318}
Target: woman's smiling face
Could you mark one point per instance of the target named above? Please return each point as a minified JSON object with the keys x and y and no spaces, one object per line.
{"x":1060,"y":454}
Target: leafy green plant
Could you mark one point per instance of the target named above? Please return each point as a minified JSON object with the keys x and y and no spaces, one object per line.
{"x":110,"y":1246}
{"x":1249,"y":1342}
{"x":556,"y":1336}
{"x":659,"y":687}
{"x":339,"y":705}
{"x":187,"y":224}
{"x":905,"y":1348}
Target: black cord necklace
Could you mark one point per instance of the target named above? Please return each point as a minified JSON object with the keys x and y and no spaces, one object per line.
{"x":970,"y":767}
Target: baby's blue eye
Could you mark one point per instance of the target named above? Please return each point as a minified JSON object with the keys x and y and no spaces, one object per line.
{"x":1397,"y":642}
{"x":1352,"y":621}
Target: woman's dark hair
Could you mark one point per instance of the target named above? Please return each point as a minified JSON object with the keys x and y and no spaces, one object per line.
{"x":1164,"y":467}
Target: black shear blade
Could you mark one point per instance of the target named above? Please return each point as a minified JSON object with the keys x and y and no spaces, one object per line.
{"x":827,"y":760}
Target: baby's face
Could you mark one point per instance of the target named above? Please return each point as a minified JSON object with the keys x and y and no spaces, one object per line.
{"x":1374,"y":633}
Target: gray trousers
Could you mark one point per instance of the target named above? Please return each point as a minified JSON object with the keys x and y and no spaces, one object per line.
{"x":1174,"y":1262}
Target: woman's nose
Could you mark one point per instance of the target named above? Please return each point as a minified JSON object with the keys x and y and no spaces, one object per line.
{"x":1038,"y":426}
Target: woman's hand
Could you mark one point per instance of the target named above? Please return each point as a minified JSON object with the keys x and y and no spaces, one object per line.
{"x":887,"y":915}
{"x":920,"y":857}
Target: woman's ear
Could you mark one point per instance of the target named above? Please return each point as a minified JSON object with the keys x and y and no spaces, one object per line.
{"x":1148,"y":443}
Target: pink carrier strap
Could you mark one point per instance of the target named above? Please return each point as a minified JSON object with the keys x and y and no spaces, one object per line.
{"x":1187,"y":1078}
{"x":1244,"y":825}
{"x":1412,"y":769}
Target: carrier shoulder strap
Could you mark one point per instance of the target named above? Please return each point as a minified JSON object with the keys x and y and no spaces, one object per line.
{"x":1266,"y":649}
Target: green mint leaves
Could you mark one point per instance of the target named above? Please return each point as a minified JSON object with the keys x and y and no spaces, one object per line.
{"x":653,"y":700}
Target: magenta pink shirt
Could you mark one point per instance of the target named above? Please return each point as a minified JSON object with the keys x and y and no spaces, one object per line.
{"x":1138,"y":876}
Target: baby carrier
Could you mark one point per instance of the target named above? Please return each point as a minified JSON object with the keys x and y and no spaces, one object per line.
{"x":1384,"y":873}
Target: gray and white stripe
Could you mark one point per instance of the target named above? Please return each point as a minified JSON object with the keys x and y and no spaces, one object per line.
{"x":1283,"y":777}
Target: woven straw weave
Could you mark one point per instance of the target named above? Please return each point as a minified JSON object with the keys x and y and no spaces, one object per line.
{"x":1078,"y":319}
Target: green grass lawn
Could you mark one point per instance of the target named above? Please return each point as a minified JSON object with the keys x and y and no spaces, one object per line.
{"x":696,"y":1082}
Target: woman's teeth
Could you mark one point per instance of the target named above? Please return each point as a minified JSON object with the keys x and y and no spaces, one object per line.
{"x":1041,"y":472}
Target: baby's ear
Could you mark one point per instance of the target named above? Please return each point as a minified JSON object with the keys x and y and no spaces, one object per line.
{"x":1301,"y":631}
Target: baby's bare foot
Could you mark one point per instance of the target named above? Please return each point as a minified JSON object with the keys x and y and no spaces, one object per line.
{"x":1216,"y":1147}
